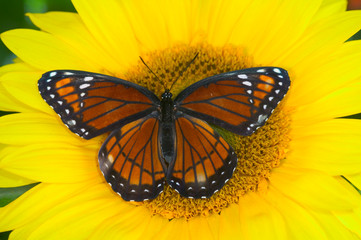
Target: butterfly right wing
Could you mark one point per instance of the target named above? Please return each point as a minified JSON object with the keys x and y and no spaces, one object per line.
{"x":131,"y":162}
{"x":203,"y":162}
{"x":90,"y":104}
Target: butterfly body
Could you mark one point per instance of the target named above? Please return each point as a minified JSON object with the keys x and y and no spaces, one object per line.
{"x":155,"y":141}
{"x":167,"y":132}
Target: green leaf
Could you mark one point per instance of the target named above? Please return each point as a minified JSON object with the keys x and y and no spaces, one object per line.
{"x":8,"y":195}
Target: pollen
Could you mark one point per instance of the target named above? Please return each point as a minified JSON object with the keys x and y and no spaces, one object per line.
{"x":257,"y":154}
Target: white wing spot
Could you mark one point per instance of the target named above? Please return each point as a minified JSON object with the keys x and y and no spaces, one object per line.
{"x":72,"y":122}
{"x":213,"y":182}
{"x":68,"y":73}
{"x":280,"y":76}
{"x":277,"y":70}
{"x":249,"y":91}
{"x":132,"y":190}
{"x":85,"y":85}
{"x":82,"y":94}
{"x":203,"y":187}
{"x":177,"y":183}
{"x":52,"y":95}
{"x":222,"y":173}
{"x":190,"y":188}
{"x":243,"y":76}
{"x":203,"y":197}
{"x":159,"y":185}
{"x":277,"y":91}
{"x":280,"y":83}
{"x":261,"y":70}
{"x":121,"y":184}
{"x":270,"y":98}
{"x":48,"y":80}
{"x":82,"y":129}
{"x":247,"y":83}
{"x":264,"y":106}
{"x":52,"y":74}
{"x":146,"y":190}
{"x":251,"y":100}
{"x":67,"y":111}
{"x":248,"y":129}
{"x":48,"y":88}
{"x":60,"y":102}
{"x":88,"y":79}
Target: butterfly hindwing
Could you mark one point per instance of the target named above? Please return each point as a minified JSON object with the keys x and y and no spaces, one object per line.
{"x":90,"y":104}
{"x":204,"y":161}
{"x":130,"y":160}
{"x":239,"y":101}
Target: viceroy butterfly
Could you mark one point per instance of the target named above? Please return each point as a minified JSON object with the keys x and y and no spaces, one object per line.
{"x":152,"y":140}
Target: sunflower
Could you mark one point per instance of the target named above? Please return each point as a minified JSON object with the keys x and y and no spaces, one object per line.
{"x":295,"y":176}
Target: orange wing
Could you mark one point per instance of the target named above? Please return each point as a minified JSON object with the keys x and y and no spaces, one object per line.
{"x":90,"y":104}
{"x":204,"y":160}
{"x":239,"y":101}
{"x":130,"y":160}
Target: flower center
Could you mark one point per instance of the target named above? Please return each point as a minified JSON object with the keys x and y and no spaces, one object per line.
{"x":257,"y":154}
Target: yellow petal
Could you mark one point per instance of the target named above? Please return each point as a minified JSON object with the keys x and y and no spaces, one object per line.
{"x":77,"y":222}
{"x":23,"y":87}
{"x":111,"y":28}
{"x":260,"y":220}
{"x":270,"y":40}
{"x":335,"y":229}
{"x":229,"y":223}
{"x":199,"y":228}
{"x":329,"y":32}
{"x":44,"y":51}
{"x":129,"y":223}
{"x":330,"y":7}
{"x":355,"y":180}
{"x":340,"y":103}
{"x":351,"y":220}
{"x":315,"y":189}
{"x":9,"y":103}
{"x":30,"y":128}
{"x":155,"y":225}
{"x":70,"y":29}
{"x":52,"y":162}
{"x":334,"y":71}
{"x":26,"y":208}
{"x":333,"y":146}
{"x":16,"y":67}
{"x":8,"y":179}
{"x":300,"y":223}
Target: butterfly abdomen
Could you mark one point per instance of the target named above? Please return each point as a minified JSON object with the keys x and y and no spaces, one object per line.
{"x":167,"y":132}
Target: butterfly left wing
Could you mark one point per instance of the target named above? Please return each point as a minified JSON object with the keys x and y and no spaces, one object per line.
{"x":239,"y":101}
{"x":130,"y":160}
{"x":204,"y":161}
{"x":90,"y":104}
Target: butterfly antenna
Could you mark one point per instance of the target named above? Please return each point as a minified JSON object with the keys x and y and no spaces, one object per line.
{"x":149,"y":68}
{"x":181,"y":73}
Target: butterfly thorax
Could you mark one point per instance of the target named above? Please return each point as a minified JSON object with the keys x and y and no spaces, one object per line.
{"x":167,"y":107}
{"x":167,"y":126}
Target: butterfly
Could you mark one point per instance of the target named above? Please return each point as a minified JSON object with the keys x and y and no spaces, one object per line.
{"x":155,"y":141}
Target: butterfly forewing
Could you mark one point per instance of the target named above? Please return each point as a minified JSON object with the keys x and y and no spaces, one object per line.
{"x":239,"y":101}
{"x":90,"y":104}
{"x":204,"y":160}
{"x":131,"y":161}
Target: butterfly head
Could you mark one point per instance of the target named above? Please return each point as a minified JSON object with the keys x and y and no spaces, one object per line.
{"x":167,"y":95}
